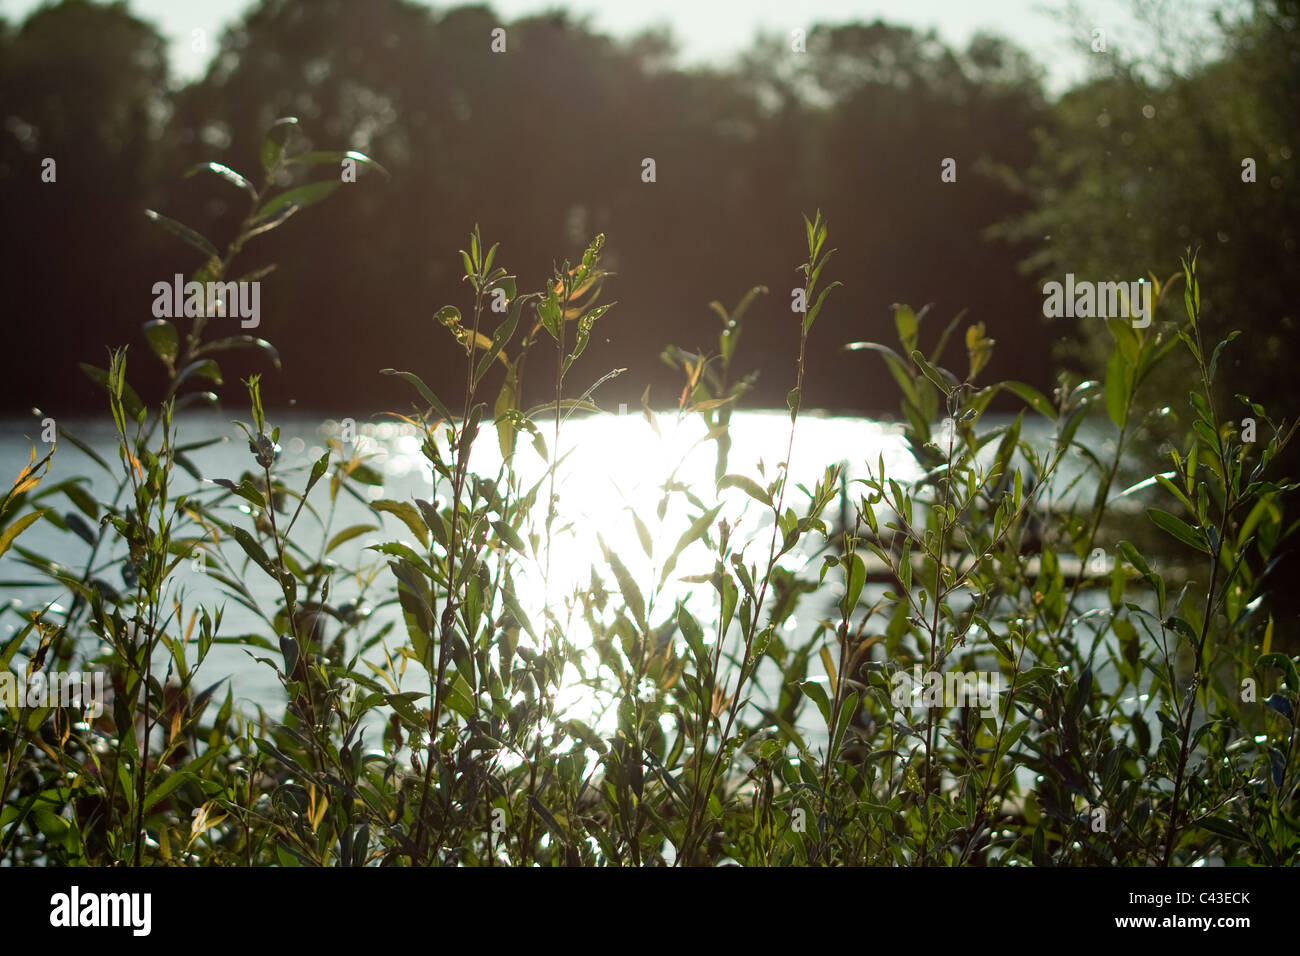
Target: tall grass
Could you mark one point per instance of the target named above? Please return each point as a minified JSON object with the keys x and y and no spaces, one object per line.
{"x":1134,"y":725}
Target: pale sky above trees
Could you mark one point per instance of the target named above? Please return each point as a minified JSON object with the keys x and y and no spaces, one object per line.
{"x":712,"y":30}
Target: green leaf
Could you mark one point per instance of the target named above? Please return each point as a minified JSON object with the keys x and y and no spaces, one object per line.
{"x":254,"y":551}
{"x":130,"y":400}
{"x":347,"y":534}
{"x":697,"y":529}
{"x":260,"y":226}
{"x":469,"y":431}
{"x":513,"y":606}
{"x":932,"y":373}
{"x":856,"y":578}
{"x":317,"y":472}
{"x":1179,"y":529}
{"x":163,"y":339}
{"x":84,"y":448}
{"x":548,"y":310}
{"x":424,"y":391}
{"x":302,"y":197}
{"x":242,"y":342}
{"x":582,"y":334}
{"x":81,"y":498}
{"x":510,"y":536}
{"x":817,"y":694}
{"x":205,"y":368}
{"x":691,"y":630}
{"x":894,"y":362}
{"x":335,"y":157}
{"x":643,"y":534}
{"x":549,"y":819}
{"x":500,"y":337}
{"x":1223,"y":828}
{"x":460,"y":696}
{"x":514,"y":420}
{"x":1035,"y":399}
{"x":504,"y":406}
{"x":1011,"y":736}
{"x":226,"y":173}
{"x":166,"y":787}
{"x":1125,"y":338}
{"x":1284,"y":664}
{"x":402,"y":704}
{"x":245,"y":489}
{"x":407,"y":513}
{"x":748,"y":485}
{"x":182,"y":231}
{"x":289,"y":648}
{"x":906,"y":323}
{"x":277,"y":137}
{"x":631,"y":594}
{"x":364,"y":474}
{"x":811,"y":317}
{"x":1133,"y":557}
{"x":1117,"y":389}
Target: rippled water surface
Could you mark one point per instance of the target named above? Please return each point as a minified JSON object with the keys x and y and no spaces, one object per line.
{"x":614,"y":466}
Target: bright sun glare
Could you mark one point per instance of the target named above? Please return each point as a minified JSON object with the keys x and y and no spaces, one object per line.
{"x":614,"y":469}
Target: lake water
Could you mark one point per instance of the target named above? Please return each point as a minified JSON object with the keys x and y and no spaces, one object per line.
{"x":616,"y":465}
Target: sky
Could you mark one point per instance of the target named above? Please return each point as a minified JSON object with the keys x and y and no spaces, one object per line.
{"x":707,"y":30}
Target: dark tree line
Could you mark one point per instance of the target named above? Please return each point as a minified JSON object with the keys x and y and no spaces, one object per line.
{"x":543,"y":146}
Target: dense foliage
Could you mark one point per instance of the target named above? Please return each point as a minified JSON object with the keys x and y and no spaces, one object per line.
{"x":1131,"y":721}
{"x":1190,"y":146}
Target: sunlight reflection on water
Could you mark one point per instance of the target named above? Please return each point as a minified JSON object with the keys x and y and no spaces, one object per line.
{"x":613,"y":467}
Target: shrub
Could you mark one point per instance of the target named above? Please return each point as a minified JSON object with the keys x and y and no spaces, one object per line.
{"x":1009,"y":680}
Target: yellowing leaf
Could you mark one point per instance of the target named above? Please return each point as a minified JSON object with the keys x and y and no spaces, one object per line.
{"x":829,"y":663}
{"x":17,"y":528}
{"x":485,"y":343}
{"x":979,"y":348}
